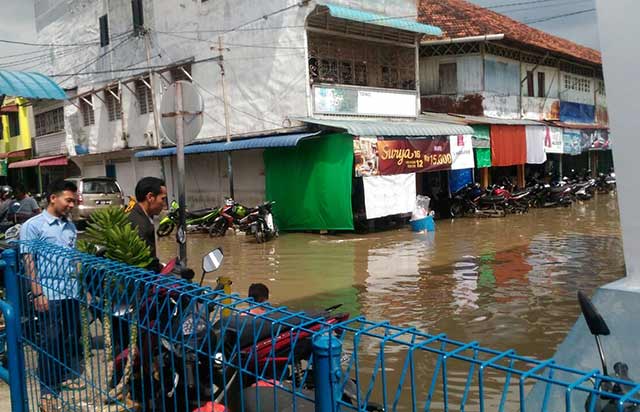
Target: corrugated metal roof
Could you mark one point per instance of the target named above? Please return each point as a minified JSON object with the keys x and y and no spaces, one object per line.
{"x":380,"y":20}
{"x":29,"y":85}
{"x":406,"y":129}
{"x":289,"y":140}
{"x":493,"y":120}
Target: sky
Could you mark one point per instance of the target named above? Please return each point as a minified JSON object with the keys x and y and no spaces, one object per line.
{"x":17,"y":21}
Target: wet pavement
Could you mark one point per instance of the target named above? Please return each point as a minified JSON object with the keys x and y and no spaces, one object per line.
{"x":508,"y":283}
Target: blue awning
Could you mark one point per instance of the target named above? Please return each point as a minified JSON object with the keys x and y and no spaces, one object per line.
{"x":380,"y":20}
{"x":29,"y":85}
{"x":287,"y":140}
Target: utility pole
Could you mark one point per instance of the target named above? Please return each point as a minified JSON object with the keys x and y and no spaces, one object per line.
{"x":156,"y":107}
{"x":182,"y":228}
{"x":226,"y":115}
{"x":152,"y":82}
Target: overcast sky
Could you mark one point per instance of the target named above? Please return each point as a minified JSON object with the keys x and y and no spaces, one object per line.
{"x":17,"y":21}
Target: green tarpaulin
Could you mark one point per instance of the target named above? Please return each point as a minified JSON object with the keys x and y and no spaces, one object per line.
{"x":483,"y":158}
{"x":481,"y":131}
{"x":311,"y":183}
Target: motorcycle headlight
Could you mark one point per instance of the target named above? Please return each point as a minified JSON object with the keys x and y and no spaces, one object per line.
{"x":217,"y":359}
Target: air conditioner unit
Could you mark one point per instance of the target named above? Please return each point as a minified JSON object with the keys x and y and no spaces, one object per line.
{"x":148,"y":138}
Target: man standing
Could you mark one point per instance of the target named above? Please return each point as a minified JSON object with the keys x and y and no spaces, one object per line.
{"x":55,"y":295}
{"x":151,"y":195}
{"x":28,"y":205}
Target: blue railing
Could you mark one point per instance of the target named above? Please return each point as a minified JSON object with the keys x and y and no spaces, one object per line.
{"x":138,"y":341}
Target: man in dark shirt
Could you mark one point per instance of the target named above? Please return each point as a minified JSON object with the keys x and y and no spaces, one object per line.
{"x":151,"y":195}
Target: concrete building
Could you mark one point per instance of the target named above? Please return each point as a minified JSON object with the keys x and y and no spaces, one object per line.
{"x":284,"y":60}
{"x":506,"y":73}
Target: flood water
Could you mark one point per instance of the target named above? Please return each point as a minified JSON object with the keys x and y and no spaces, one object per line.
{"x":508,"y":283}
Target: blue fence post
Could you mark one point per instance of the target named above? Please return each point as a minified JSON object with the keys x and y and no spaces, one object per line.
{"x":327,"y":372}
{"x":11,"y":309}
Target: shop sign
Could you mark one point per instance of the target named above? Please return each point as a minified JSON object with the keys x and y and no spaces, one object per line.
{"x":392,"y":157}
{"x":461,"y":152}
{"x":350,"y":100}
{"x":553,"y":140}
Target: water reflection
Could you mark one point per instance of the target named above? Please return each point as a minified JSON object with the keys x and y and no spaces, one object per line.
{"x":508,"y":283}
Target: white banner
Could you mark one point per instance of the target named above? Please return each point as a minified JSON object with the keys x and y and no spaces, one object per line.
{"x":537,"y":136}
{"x":461,"y":152}
{"x":389,"y":195}
{"x":553,"y":142}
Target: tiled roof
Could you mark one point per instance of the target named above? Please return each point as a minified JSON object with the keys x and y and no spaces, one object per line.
{"x":459,"y":18}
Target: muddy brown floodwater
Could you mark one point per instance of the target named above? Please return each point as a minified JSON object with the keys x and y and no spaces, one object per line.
{"x":508,"y":283}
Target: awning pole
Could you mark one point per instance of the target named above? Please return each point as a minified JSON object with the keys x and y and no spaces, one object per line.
{"x":230,"y":173}
{"x":39,"y":179}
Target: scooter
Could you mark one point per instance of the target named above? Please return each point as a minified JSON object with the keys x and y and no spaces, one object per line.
{"x":471,"y":200}
{"x":259,"y":222}
{"x":230,"y":216}
{"x":196,"y":220}
{"x":620,"y":383}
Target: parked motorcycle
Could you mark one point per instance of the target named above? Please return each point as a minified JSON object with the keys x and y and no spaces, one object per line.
{"x":606,"y":183}
{"x":259,"y":222}
{"x":196,"y":220}
{"x":471,"y":200}
{"x":620,"y":384}
{"x":231,"y":214}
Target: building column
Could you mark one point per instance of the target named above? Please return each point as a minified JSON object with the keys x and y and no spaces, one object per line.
{"x":484,"y":177}
{"x":521,"y":180}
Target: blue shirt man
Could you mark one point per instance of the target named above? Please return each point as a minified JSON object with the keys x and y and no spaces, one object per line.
{"x":55,"y":296}
{"x":57,"y":278}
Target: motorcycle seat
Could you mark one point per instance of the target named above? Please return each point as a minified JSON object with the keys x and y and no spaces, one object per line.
{"x":199,"y":213}
{"x":492,"y":199}
{"x":558,"y":189}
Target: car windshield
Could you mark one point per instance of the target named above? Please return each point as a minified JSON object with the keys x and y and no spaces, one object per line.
{"x":96,"y":186}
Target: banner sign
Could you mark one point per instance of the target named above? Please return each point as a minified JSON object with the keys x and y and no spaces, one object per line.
{"x":375,"y":157}
{"x":461,"y":152}
{"x":572,"y":142}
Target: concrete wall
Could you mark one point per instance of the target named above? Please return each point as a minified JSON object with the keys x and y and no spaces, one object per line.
{"x":568,"y":94}
{"x":469,"y":73}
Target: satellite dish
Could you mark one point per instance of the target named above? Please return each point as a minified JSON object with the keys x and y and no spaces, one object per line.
{"x":192,"y":112}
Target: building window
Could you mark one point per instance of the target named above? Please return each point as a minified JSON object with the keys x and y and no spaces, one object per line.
{"x":601,"y":90}
{"x":361,"y":63}
{"x":576,"y":83}
{"x":144,"y":96}
{"x":542,"y":92}
{"x":114,"y":106}
{"x":530,"y":87}
{"x":178,"y":74}
{"x":86,"y":107}
{"x":138,"y":16}
{"x":104,"y":31}
{"x":14,"y":124}
{"x":50,"y":122}
{"x":448,"y":78}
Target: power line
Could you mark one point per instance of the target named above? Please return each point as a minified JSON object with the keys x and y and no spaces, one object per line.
{"x":91,"y":43}
{"x":97,"y":59}
{"x":565,"y":3}
{"x":559,"y":16}
{"x":521,"y":3}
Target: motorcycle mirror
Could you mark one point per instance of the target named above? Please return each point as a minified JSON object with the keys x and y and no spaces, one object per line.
{"x":212,"y":261}
{"x":594,"y":320}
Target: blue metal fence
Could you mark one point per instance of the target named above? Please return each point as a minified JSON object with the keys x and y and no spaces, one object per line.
{"x":120,"y":338}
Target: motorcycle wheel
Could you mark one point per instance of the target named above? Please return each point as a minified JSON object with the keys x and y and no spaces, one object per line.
{"x":165,"y":229}
{"x":456,"y":210}
{"x":261,"y":237}
{"x":218,"y":228}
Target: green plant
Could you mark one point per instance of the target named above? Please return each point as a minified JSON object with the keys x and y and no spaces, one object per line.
{"x":109,"y":229}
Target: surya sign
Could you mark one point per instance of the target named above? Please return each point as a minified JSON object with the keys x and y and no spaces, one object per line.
{"x":413,"y":156}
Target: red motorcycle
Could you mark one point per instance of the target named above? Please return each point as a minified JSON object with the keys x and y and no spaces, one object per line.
{"x":231,"y":215}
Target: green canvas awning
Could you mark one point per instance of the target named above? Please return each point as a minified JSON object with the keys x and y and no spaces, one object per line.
{"x":363,"y":16}
{"x":483,"y":157}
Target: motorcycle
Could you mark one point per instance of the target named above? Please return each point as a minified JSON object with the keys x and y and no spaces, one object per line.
{"x":620,"y":383}
{"x":230,"y":216}
{"x":259,"y":222}
{"x":606,"y":183}
{"x":196,"y":221}
{"x":545,"y":195}
{"x":472,"y":200}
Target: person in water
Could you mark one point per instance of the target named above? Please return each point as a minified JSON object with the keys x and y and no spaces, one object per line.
{"x":259,"y":292}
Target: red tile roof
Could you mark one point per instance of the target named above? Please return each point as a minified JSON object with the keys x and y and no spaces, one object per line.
{"x":459,"y":18}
